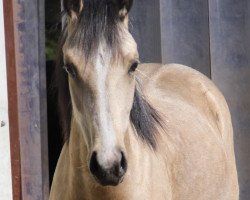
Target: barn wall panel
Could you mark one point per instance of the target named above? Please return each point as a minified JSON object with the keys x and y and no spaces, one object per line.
{"x":145,"y":28}
{"x":185,"y":33}
{"x":31,"y":91}
{"x":230,"y":58}
{"x":170,"y":31}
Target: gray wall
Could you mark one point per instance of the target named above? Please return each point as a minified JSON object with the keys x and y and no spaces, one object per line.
{"x":230,"y":58}
{"x":145,"y":26}
{"x":31,"y":91}
{"x":213,"y":37}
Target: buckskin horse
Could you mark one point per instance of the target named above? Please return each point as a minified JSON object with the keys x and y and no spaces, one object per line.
{"x":135,"y":131}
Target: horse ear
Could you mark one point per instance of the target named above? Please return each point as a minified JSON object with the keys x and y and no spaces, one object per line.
{"x":125,"y":6}
{"x":73,"y":7}
{"x":128,"y":4}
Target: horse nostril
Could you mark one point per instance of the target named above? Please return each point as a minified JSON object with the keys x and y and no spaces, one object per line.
{"x":123,"y":165}
{"x":119,"y":168}
{"x":108,"y":175}
{"x":94,"y":166}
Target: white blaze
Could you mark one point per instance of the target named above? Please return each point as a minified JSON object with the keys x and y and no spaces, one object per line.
{"x":107,"y":152}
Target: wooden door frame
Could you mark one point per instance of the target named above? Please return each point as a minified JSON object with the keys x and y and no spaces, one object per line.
{"x":25,"y":60}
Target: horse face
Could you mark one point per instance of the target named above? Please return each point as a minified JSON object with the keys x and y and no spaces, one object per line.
{"x":102,"y":90}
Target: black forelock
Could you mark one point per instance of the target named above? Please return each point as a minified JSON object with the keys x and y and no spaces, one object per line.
{"x":98,"y":20}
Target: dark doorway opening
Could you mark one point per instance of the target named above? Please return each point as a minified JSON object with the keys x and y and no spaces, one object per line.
{"x":53,"y":30}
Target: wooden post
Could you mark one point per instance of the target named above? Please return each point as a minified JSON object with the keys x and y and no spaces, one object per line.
{"x":5,"y":148}
{"x":24,"y":21}
{"x":12,"y":99}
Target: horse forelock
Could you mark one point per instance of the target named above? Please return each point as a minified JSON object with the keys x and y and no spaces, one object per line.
{"x":98,"y":21}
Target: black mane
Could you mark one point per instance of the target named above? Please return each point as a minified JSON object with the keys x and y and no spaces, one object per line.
{"x":145,"y":119}
{"x":99,"y":19}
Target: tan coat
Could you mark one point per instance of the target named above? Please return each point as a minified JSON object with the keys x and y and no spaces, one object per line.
{"x":194,"y":158}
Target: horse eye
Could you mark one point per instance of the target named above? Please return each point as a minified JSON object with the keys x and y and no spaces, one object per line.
{"x":71,"y":70}
{"x":133,"y":67}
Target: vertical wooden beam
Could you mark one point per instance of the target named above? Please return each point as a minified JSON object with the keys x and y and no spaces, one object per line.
{"x":145,"y":28}
{"x":185,"y":33}
{"x":12,"y":99}
{"x":27,"y":82}
{"x":5,"y":148}
{"x":230,"y":59}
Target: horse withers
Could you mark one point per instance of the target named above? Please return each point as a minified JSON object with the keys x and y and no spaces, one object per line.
{"x":135,"y":131}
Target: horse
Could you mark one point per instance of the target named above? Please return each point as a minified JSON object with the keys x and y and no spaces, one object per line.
{"x":135,"y":131}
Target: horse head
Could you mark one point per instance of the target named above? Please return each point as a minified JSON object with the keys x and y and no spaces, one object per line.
{"x":100,"y":57}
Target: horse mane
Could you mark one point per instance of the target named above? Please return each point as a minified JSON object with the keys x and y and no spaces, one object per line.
{"x":97,"y":21}
{"x":145,"y":119}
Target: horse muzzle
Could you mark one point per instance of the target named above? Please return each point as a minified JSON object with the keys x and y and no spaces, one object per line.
{"x":111,"y":176}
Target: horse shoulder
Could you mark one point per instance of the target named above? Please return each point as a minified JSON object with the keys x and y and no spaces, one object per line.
{"x":192,"y":87}
{"x":184,"y":87}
